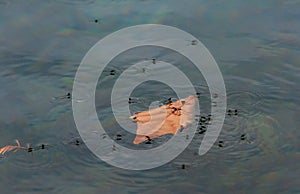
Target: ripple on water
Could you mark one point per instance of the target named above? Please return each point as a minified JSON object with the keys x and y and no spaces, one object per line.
{"x":238,"y":140}
{"x":78,"y":153}
{"x":244,"y":140}
{"x":248,"y":103}
{"x":69,"y":157}
{"x":37,"y":159}
{"x":281,"y":87}
{"x":232,"y":150}
{"x":147,"y":179}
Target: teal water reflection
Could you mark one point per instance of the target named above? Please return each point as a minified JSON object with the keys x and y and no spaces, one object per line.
{"x":256,"y":45}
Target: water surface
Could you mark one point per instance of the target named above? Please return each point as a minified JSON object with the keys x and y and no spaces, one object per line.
{"x":256,"y":45}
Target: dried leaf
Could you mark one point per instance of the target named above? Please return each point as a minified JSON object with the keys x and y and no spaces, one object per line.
{"x":167,"y":119}
{"x":9,"y":148}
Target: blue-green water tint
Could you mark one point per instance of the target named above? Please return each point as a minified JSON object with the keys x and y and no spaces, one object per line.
{"x":255,"y":43}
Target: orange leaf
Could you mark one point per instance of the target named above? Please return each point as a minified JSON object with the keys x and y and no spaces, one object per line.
{"x":8,"y":148}
{"x":167,"y":119}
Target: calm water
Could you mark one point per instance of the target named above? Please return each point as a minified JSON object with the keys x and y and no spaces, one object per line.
{"x":256,"y":45}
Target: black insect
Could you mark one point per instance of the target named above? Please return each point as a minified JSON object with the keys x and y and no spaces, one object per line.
{"x":183,"y":166}
{"x":169,"y":100}
{"x":203,"y":127}
{"x":96,"y":21}
{"x":149,"y":140}
{"x":132,"y":100}
{"x":29,"y":149}
{"x":118,"y":137}
{"x":232,"y":112}
{"x":221,"y":144}
{"x":42,"y":146}
{"x":202,"y":119}
{"x":202,"y":131}
{"x":181,"y":128}
{"x":235,"y":112}
{"x":243,"y":137}
{"x":68,"y":95}
{"x":103,"y":136}
{"x":112,"y":72}
{"x":77,"y":142}
{"x":153,"y":61}
{"x":194,"y":42}
{"x":176,"y":110}
{"x":229,"y":112}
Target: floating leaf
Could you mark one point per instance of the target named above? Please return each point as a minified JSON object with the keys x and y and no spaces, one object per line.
{"x":8,"y":148}
{"x":167,"y":119}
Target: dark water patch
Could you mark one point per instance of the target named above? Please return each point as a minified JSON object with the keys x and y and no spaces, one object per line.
{"x":4,"y":3}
